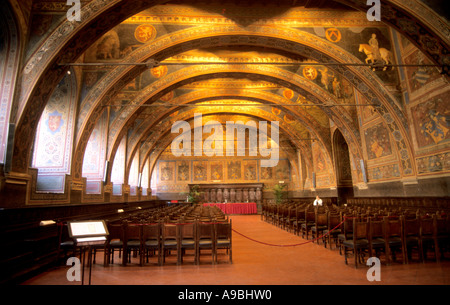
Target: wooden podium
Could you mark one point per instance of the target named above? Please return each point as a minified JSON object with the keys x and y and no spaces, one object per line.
{"x":86,"y":234}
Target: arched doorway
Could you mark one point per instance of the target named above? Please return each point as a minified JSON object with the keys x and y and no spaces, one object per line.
{"x":342,"y":167}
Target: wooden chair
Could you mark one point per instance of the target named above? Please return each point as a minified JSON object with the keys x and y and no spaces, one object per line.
{"x":347,"y":230}
{"x":205,"y":239}
{"x":320,"y":224}
{"x":187,"y":240}
{"x":393,"y":229}
{"x":332,"y":232}
{"x":299,"y":219}
{"x":114,"y":241}
{"x":428,"y":236}
{"x":151,"y":240}
{"x":377,"y":243}
{"x":223,"y":239}
{"x":310,"y":219}
{"x":170,"y":240}
{"x":359,"y":242}
{"x":411,"y":237}
{"x":443,"y":234}
{"x":132,"y":242}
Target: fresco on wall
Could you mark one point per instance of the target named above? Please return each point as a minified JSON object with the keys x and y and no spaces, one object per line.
{"x":234,"y":170}
{"x":250,"y":168}
{"x":200,"y":171}
{"x":378,"y":143}
{"x":166,"y":171}
{"x":183,"y":171}
{"x":94,"y":155}
{"x":53,"y":144}
{"x":434,"y":163}
{"x":432,"y":121}
{"x":216,"y":170}
{"x":266,"y":173}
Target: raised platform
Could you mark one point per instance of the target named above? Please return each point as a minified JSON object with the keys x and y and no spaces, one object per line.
{"x":235,"y":208}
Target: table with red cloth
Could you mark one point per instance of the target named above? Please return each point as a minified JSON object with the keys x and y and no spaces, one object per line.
{"x":235,"y":208}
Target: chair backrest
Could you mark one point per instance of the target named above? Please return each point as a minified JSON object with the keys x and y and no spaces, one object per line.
{"x":187,"y":230}
{"x":132,"y":231}
{"x":151,"y":231}
{"x":223,"y":230}
{"x":205,"y":230}
{"x":348,"y":225}
{"x":334,"y":219}
{"x":310,"y":215}
{"x":115,"y":231}
{"x":169,"y":231}
{"x":393,"y":226}
{"x":428,"y":225}
{"x":376,"y":227}
{"x":411,"y":226}
{"x":360,"y":229}
{"x":321,"y":218}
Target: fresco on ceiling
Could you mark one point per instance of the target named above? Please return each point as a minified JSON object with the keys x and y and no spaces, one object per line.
{"x":419,"y":77}
{"x":377,"y":140}
{"x":365,"y":43}
{"x":431,"y":121}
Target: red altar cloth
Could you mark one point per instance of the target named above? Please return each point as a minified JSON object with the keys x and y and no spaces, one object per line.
{"x":235,"y":208}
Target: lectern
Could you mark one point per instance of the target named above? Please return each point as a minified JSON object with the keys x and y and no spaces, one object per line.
{"x":86,"y":234}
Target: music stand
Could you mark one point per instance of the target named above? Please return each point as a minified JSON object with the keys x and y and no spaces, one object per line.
{"x":88,"y":233}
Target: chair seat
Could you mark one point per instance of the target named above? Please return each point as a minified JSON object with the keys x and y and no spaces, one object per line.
{"x":333,"y":232}
{"x":223,"y":242}
{"x":187,"y":242}
{"x":360,"y":243}
{"x":133,"y":243}
{"x":378,"y":242}
{"x":205,"y":242}
{"x":309,"y":224}
{"x":393,"y":241}
{"x":151,"y":243}
{"x":170,"y":243}
{"x":319,"y":228}
{"x":116,"y":243}
{"x":412,"y":240}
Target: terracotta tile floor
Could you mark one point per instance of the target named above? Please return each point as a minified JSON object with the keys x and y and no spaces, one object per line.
{"x":257,"y":264}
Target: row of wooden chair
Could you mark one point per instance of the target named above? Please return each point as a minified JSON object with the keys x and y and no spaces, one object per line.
{"x":160,"y":239}
{"x":374,"y":235}
{"x":388,"y":231}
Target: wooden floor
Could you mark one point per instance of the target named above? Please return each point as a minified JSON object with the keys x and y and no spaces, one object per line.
{"x":256,"y":263}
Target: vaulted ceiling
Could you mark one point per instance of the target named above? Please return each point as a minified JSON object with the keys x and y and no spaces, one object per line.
{"x":147,"y":64}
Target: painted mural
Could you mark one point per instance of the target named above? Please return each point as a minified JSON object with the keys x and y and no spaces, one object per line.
{"x":53,"y":146}
{"x":377,"y":141}
{"x":432,"y":121}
